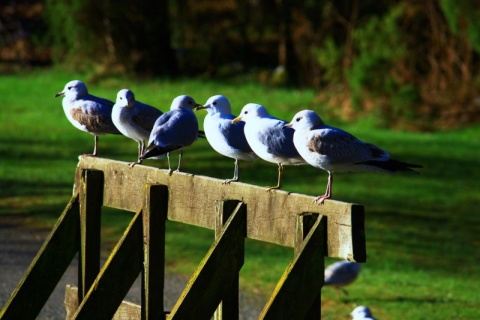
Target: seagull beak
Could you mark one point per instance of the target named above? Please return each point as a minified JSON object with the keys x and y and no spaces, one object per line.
{"x":200,"y":107}
{"x":237,"y":119}
{"x":288,"y":125}
{"x":60,"y":94}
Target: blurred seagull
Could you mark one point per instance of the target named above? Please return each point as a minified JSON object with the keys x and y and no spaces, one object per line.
{"x":341,"y":273}
{"x":362,"y":313}
{"x":225,"y":137}
{"x":134,"y":119}
{"x":173,"y":130}
{"x":268,"y":139}
{"x":335,"y":150}
{"x":87,"y":112}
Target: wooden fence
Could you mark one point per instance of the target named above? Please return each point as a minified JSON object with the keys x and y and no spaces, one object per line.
{"x":235,"y":211}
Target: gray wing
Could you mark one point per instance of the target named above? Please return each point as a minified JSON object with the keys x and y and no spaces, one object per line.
{"x":176,"y":127}
{"x":342,"y":147}
{"x":279,"y":141}
{"x":95,"y":114}
{"x":235,"y":135}
{"x":145,"y":116}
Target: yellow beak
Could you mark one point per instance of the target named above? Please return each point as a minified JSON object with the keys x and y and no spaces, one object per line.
{"x":200,"y":108}
{"x":237,"y":119}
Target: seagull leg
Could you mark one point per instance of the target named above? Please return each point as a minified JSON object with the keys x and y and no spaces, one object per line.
{"x":328,"y":192}
{"x":179,"y":160}
{"x":235,"y":174}
{"x":94,"y":154}
{"x":279,"y":182}
{"x":169,"y":173}
{"x":140,"y":148}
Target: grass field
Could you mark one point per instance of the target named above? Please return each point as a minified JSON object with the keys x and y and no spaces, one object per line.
{"x":423,"y":232}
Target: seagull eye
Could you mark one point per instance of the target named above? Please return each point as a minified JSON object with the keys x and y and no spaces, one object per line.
{"x":245,"y":112}
{"x":214,"y":103}
{"x":69,"y":88}
{"x":298,"y":119}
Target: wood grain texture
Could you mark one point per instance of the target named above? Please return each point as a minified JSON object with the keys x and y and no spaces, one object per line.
{"x":271,"y":215}
{"x":212,"y":279}
{"x":299,"y":287}
{"x":126,"y":310}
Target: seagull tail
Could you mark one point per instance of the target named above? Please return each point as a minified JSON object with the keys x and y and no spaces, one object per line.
{"x":393,"y":166}
{"x":153,"y":151}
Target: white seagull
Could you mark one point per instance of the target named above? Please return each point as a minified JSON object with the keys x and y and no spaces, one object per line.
{"x":225,"y":137}
{"x":341,"y":273}
{"x":134,"y":119}
{"x":362,"y":313}
{"x":173,"y":130}
{"x":87,"y":112}
{"x":268,"y":139}
{"x":335,"y":150}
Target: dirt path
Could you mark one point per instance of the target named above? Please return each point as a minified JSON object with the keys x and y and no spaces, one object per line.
{"x":19,"y":245}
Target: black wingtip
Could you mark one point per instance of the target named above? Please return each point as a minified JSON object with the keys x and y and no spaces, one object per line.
{"x":393,"y":166}
{"x":155,"y":151}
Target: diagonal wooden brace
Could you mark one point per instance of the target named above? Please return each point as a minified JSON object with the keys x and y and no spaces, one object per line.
{"x":47,"y":267}
{"x":299,"y":287}
{"x":216,"y":272}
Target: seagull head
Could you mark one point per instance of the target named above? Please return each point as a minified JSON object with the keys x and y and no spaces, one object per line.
{"x":305,"y":120}
{"x":125,"y":98}
{"x":73,"y":90}
{"x":360,"y":312}
{"x":217,"y":104}
{"x":184,"y":102}
{"x":251,"y":111}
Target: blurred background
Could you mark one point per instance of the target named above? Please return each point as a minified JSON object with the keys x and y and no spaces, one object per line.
{"x":413,"y":63}
{"x":401,"y":74}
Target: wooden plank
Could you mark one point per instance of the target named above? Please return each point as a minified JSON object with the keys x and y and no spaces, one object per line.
{"x":117,"y":275}
{"x":218,"y":269}
{"x":228,"y":308}
{"x":301,"y":282}
{"x":126,"y":310}
{"x":305,"y":222}
{"x":154,"y":214}
{"x":91,"y":198}
{"x":271,"y":215}
{"x":47,"y":267}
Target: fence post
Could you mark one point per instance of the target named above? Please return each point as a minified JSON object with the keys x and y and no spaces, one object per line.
{"x":91,"y":201}
{"x":154,"y":214}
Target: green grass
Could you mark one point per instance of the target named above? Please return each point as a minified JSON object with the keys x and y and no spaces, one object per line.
{"x":423,"y":232}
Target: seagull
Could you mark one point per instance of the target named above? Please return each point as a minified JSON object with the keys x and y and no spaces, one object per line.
{"x":87,"y":112}
{"x":173,"y":130}
{"x":134,"y":119}
{"x":267,"y":139}
{"x":362,"y":313}
{"x":225,"y":137}
{"x":341,"y":273}
{"x":335,"y":150}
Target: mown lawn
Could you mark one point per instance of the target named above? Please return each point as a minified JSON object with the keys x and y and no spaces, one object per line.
{"x":423,"y":232}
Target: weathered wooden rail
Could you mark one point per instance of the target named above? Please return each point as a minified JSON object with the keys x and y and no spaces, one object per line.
{"x":234,"y":211}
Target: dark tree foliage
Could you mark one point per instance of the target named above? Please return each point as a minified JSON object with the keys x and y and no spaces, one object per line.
{"x":412,"y":63}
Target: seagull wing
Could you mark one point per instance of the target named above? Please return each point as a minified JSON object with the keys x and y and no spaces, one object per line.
{"x":342,"y":147}
{"x":145,"y":116}
{"x":94,"y":115}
